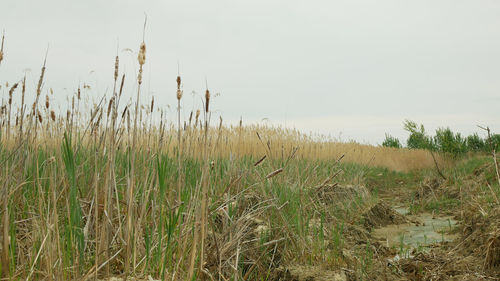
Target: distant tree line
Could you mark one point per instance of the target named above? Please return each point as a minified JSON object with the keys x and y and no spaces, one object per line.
{"x":444,"y":140}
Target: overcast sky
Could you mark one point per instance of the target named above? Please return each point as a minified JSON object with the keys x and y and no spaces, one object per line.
{"x":354,"y":69}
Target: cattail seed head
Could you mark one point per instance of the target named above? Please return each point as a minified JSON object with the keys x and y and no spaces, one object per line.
{"x":40,"y":82}
{"x":179,"y":94}
{"x":68,"y":115}
{"x":47,"y":102}
{"x":139,"y":77}
{"x":11,"y":91}
{"x":152,"y":104}
{"x":207,"y":99}
{"x":142,"y":54}
{"x":178,"y":82}
{"x":53,"y":115}
{"x":116,"y":67}
{"x":40,"y":117}
{"x":109,"y":105}
{"x":121,"y":85}
{"x":1,"y":56}
{"x":79,"y":93}
{"x":124,"y":112}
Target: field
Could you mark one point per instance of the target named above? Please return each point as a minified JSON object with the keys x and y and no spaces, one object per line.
{"x":109,"y":190}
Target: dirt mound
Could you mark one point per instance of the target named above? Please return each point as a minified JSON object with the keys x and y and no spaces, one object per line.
{"x":428,"y":188}
{"x":308,"y":273}
{"x":382,"y":215}
{"x":439,"y":265}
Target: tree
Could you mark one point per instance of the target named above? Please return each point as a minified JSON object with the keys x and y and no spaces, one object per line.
{"x":475,"y":143}
{"x":417,"y":139}
{"x":446,"y":141}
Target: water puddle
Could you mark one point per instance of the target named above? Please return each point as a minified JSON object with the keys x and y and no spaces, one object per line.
{"x":409,"y":235}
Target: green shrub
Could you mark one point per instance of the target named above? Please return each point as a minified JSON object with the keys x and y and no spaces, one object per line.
{"x":391,"y":141}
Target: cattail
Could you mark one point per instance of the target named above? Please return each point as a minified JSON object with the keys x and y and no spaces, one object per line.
{"x":17,"y":120}
{"x":52,"y":115}
{"x":23,"y":89}
{"x":124,"y":112}
{"x":121,"y":85}
{"x":116,"y":67}
{"x":152,"y":104}
{"x":40,"y":117}
{"x":47,"y":103}
{"x":68,"y":115}
{"x":1,"y":48}
{"x":128,"y":120}
{"x":196,"y":117}
{"x":98,"y":122}
{"x":207,"y":99}
{"x":33,"y":107}
{"x":142,"y":54}
{"x":40,"y":81}
{"x":11,"y":91}
{"x":79,"y":93}
{"x":179,"y":91}
{"x":272,"y":174}
{"x":190,"y":117}
{"x":109,"y":105}
{"x":179,"y":94}
{"x":260,"y":161}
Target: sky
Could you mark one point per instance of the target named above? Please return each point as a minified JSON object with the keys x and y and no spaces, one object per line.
{"x":352,"y":70}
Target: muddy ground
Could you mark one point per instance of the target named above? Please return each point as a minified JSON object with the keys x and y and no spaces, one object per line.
{"x":414,"y":233}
